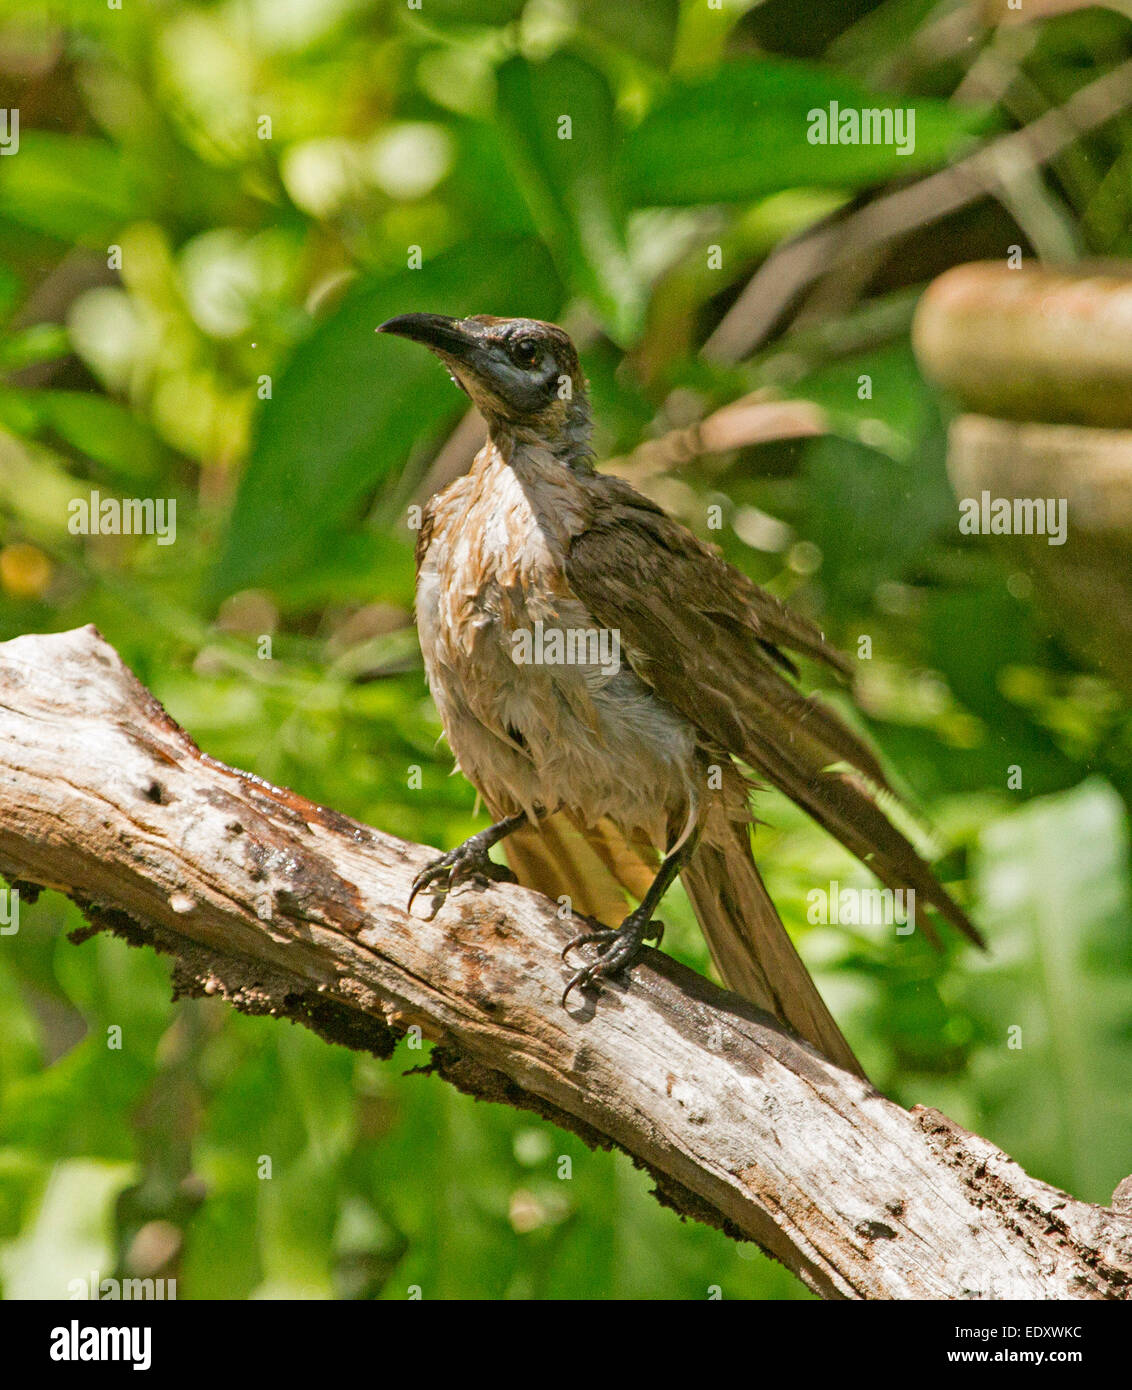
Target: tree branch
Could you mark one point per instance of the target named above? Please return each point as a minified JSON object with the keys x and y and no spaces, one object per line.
{"x":828,"y":249}
{"x":284,"y":907}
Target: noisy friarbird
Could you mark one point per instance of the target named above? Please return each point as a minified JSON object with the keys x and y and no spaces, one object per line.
{"x":612,"y":776}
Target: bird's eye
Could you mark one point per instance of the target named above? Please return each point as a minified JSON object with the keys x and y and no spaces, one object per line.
{"x":524,"y":352}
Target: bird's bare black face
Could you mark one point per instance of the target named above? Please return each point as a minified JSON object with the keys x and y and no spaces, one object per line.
{"x":517,"y":370}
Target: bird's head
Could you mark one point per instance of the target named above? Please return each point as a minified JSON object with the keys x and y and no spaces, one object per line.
{"x":522,"y":374}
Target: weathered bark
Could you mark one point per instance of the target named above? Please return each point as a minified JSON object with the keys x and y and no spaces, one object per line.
{"x":284,"y":907}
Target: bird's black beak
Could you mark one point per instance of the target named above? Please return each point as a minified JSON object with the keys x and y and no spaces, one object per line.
{"x":454,"y":338}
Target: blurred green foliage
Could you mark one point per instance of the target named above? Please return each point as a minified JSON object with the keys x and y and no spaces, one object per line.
{"x":211,"y":208}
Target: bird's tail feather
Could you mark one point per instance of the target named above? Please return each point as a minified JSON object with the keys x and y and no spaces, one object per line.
{"x":751,"y":948}
{"x":595,"y":868}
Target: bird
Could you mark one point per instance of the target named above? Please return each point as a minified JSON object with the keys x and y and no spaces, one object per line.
{"x":611,"y":770}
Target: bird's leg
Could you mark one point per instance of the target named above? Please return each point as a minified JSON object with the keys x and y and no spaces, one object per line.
{"x":469,"y":860}
{"x":622,"y":946}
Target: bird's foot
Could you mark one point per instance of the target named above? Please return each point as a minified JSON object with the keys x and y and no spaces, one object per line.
{"x":467,"y":861}
{"x":620,"y":948}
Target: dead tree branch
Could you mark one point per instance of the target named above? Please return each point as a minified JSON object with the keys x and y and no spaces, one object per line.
{"x":287,"y":908}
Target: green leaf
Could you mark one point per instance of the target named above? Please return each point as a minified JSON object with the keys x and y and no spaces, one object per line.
{"x":481,"y":164}
{"x":41,"y":342}
{"x":644,"y":27}
{"x":1053,"y":883}
{"x":77,"y":189}
{"x":477,"y":12}
{"x":971,"y":635}
{"x":561,"y":135}
{"x":871,"y":515}
{"x":348,"y":408}
{"x":742,"y":133}
{"x":94,"y":425}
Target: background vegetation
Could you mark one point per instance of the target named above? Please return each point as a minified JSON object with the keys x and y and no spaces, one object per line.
{"x":246,"y":260}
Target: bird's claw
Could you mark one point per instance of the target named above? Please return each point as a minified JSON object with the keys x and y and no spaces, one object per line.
{"x":464,"y":862}
{"x":605,"y":935}
{"x":620,"y":948}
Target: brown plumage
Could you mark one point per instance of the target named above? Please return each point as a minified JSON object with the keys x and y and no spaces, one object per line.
{"x":596,"y":768}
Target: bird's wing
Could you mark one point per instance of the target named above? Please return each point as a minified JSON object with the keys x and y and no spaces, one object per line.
{"x":772,"y":623}
{"x":698,"y":633}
